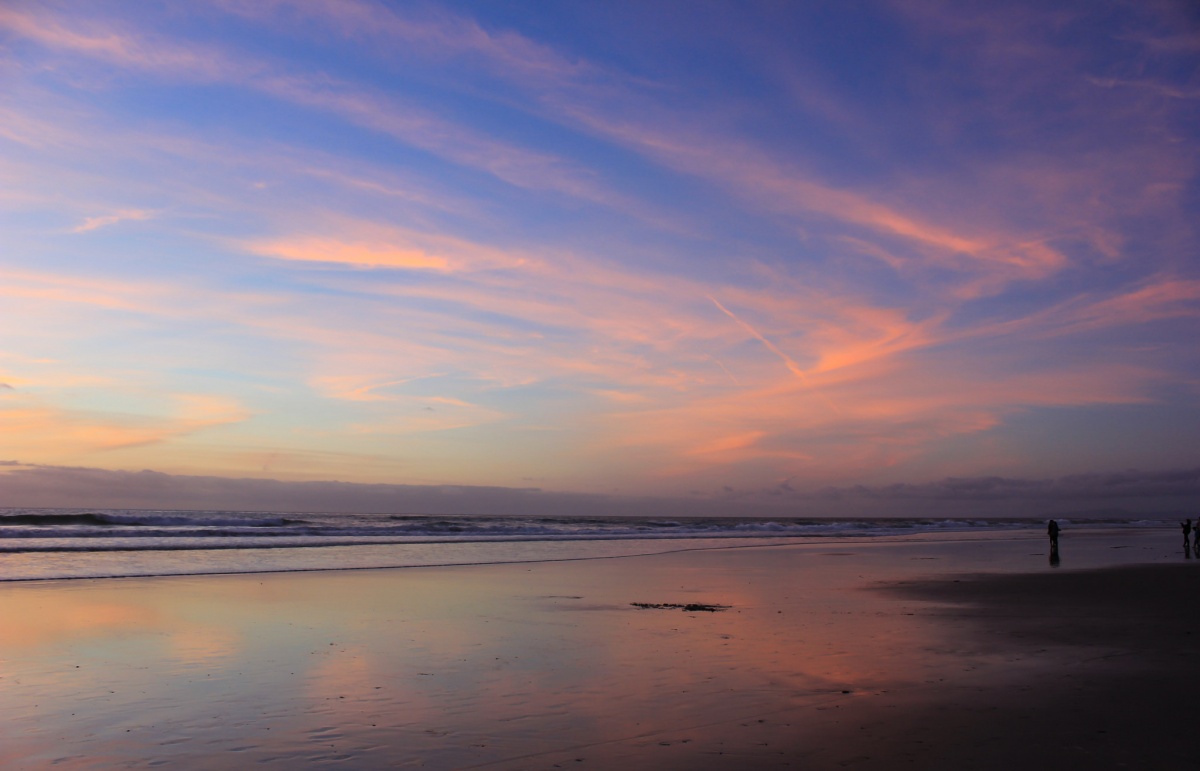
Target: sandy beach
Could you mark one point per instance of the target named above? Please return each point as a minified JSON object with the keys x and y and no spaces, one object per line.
{"x":968,"y":652}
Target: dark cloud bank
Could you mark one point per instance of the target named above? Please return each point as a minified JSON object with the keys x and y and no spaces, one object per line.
{"x":1113,"y":494}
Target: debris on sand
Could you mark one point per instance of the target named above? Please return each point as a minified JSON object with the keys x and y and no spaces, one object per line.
{"x":691,"y":607}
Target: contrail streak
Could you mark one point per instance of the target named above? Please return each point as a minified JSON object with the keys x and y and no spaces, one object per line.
{"x":792,"y":366}
{"x":711,"y":358}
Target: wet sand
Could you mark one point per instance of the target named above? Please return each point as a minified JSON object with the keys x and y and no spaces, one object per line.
{"x":964,"y":652}
{"x":1110,"y":663}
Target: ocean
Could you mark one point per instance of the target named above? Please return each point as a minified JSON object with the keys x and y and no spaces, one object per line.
{"x":42,"y":544}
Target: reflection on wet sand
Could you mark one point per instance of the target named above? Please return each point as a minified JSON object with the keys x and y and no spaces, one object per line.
{"x":454,"y":667}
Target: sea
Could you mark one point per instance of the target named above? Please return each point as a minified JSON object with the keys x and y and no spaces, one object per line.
{"x":50,"y":544}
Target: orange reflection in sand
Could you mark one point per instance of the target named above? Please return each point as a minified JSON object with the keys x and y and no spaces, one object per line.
{"x":37,"y":619}
{"x":42,"y":620}
{"x":203,"y":644}
{"x":340,"y":670}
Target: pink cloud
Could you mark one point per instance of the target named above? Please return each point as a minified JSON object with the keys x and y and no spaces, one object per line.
{"x":38,"y":429}
{"x":358,"y":254}
{"x":891,"y":416}
{"x":562,"y":95}
{"x":381,"y":112}
{"x":1158,"y":297}
{"x":997,"y":256}
{"x":78,"y":290}
{"x":94,"y":223}
{"x":120,"y":47}
{"x":435,"y":34}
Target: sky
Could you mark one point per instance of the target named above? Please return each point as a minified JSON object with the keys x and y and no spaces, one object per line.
{"x":719,"y":253}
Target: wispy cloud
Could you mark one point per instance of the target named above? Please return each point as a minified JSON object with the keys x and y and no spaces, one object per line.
{"x":39,"y":430}
{"x":466,"y":231}
{"x":432,"y":33}
{"x":94,"y":223}
{"x":359,"y":254}
{"x":79,"y":290}
{"x":627,"y":118}
{"x":100,"y":40}
{"x":407,"y":122}
{"x":420,"y":414}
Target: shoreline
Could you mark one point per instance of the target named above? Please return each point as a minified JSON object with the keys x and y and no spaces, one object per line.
{"x":829,"y":654}
{"x":104,"y":561}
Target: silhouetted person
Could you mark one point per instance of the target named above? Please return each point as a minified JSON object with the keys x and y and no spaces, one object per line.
{"x":1052,"y":529}
{"x":1187,"y":531}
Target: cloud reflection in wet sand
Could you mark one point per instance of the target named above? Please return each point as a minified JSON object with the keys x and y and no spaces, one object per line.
{"x":461,"y":666}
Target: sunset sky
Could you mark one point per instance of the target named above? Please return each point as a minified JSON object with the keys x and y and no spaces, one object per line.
{"x":672,"y":249}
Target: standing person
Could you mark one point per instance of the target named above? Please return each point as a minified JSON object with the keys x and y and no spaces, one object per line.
{"x":1187,"y":531}
{"x":1052,"y":531}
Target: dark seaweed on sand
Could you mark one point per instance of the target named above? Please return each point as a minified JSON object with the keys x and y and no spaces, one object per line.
{"x":690,"y":607}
